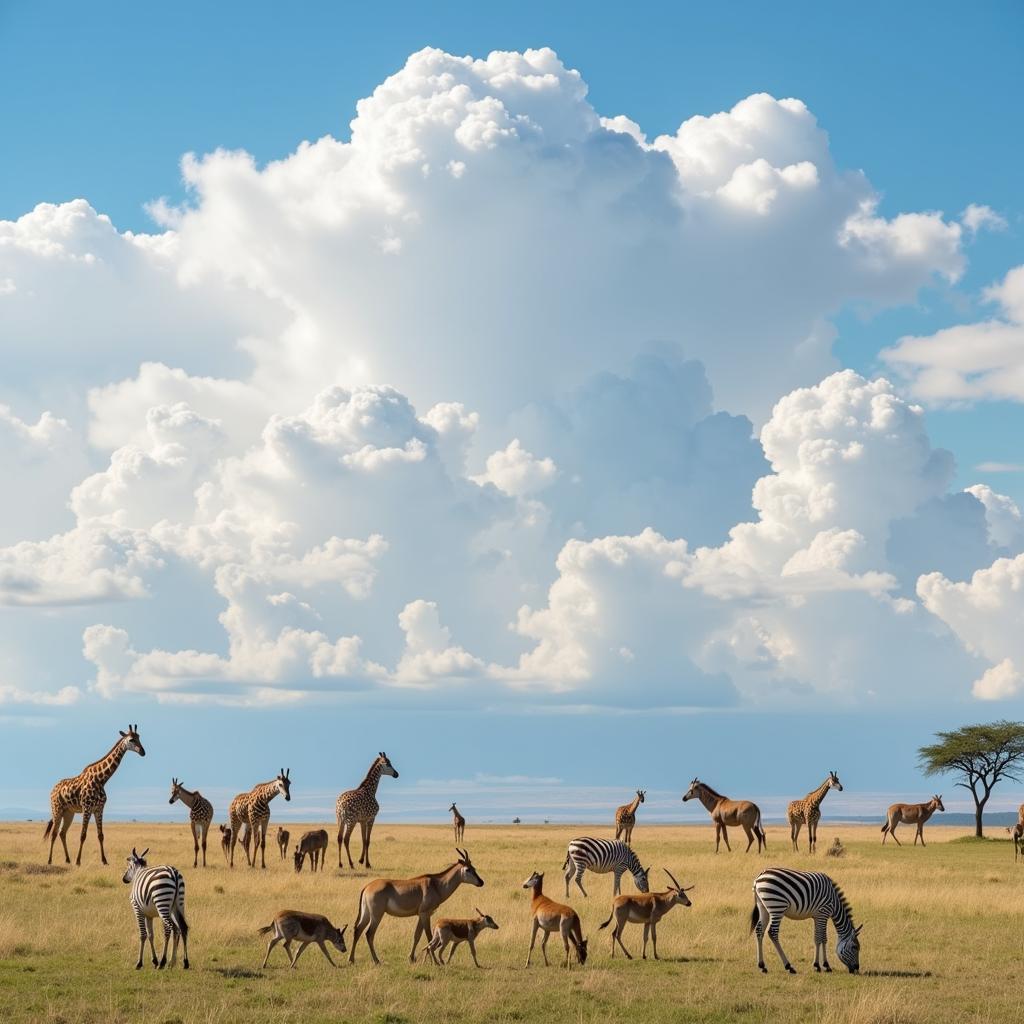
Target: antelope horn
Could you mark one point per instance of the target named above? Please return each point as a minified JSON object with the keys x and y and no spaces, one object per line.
{"x":674,"y":882}
{"x":144,"y":852}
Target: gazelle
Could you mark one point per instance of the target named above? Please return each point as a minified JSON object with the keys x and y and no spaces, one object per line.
{"x":293,"y":925}
{"x":457,"y":930}
{"x":283,"y":835}
{"x":225,"y":841}
{"x":912,"y":814}
{"x":314,"y":845}
{"x":549,"y":916}
{"x":647,"y":909}
{"x":415,"y":897}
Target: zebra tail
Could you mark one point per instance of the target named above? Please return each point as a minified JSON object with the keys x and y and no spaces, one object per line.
{"x":49,"y":826}
{"x":755,"y":916}
{"x":178,"y":913}
{"x":565,"y":863}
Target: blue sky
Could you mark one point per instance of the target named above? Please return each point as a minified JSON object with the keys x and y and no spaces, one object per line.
{"x":563,"y":316}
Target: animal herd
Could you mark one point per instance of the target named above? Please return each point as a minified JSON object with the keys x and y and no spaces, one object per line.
{"x":159,"y":892}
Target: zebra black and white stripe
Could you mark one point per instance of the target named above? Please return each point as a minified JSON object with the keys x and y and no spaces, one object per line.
{"x":158,"y":892}
{"x":602,"y":856}
{"x":783,"y":892}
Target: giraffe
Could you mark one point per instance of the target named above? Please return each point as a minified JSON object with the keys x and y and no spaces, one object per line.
{"x":253,"y":809}
{"x":809,"y":810}
{"x":458,"y":823}
{"x":625,"y":817}
{"x":84,"y":793}
{"x":360,"y":806}
{"x":199,"y":818}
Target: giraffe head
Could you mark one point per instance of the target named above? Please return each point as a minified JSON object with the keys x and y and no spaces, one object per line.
{"x":131,"y":741}
{"x":386,"y":767}
{"x":641,"y":794}
{"x":175,"y":791}
{"x":692,"y":793}
{"x":452,"y":808}
{"x":937,"y":800}
{"x":136,"y":862}
{"x":467,"y":873}
{"x":284,"y":783}
{"x":833,"y":781}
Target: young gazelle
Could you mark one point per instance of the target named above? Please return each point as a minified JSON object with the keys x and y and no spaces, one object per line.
{"x":225,"y":841}
{"x":549,"y":916}
{"x":314,"y":845}
{"x":292,"y":925}
{"x":415,"y":897}
{"x":457,"y":930}
{"x":458,"y":823}
{"x":912,"y":814}
{"x":283,"y":835}
{"x":647,"y":909}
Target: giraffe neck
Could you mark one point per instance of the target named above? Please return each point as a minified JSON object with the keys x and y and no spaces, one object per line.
{"x":265,"y":791}
{"x":814,"y":799}
{"x":101,"y":770}
{"x":187,"y":797}
{"x":369,"y":784}
{"x":631,"y":809}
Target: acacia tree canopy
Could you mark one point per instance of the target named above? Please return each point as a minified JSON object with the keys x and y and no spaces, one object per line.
{"x":981,"y":755}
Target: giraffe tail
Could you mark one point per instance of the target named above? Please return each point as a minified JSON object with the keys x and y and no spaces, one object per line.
{"x":49,"y":827}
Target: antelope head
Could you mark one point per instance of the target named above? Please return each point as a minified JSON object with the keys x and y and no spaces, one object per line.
{"x":833,"y":782}
{"x":136,"y":862}
{"x":284,"y":783}
{"x":338,"y":938}
{"x":468,"y":873}
{"x":937,"y":800}
{"x":692,"y":792}
{"x":386,"y":767}
{"x":485,"y":920}
{"x":535,"y":881}
{"x":677,"y":892}
{"x":132,"y":741}
{"x":175,"y":791}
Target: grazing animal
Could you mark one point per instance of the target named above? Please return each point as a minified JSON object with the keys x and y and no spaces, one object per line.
{"x":156,"y":892}
{"x":549,"y":916}
{"x":314,"y":845}
{"x":646,"y":909}
{"x":253,"y":809}
{"x":725,"y":812}
{"x":625,"y":817}
{"x":199,"y":817}
{"x":457,"y":930}
{"x":415,"y":897}
{"x":84,"y":794}
{"x":458,"y":823}
{"x":290,"y":926}
{"x":517,"y":821}
{"x":808,"y":811}
{"x":225,"y":840}
{"x":1017,"y":835}
{"x":783,"y":892}
{"x":912,"y":814}
{"x":836,"y":849}
{"x":602,"y":856}
{"x":359,"y":807}
{"x":283,"y":835}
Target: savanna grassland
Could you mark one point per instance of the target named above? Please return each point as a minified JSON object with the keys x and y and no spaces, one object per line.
{"x":943,"y":937}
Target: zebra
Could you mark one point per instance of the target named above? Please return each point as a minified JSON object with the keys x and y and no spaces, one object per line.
{"x":159,"y":890}
{"x":783,"y":892}
{"x":601,"y":856}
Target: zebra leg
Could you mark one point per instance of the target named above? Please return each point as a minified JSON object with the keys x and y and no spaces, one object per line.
{"x":617,"y":885}
{"x":166,"y":918}
{"x":141,"y":921}
{"x":175,"y":934}
{"x":152,"y":944}
{"x":579,"y":879}
{"x":533,"y":941}
{"x":570,"y":870}
{"x":774,"y":924}
{"x":759,"y":930}
{"x":820,"y":924}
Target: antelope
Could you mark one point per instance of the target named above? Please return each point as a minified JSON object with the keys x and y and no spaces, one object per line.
{"x":646,"y":909}
{"x":1017,"y":835}
{"x":283,"y":835}
{"x":456,"y":931}
{"x":291,"y":925}
{"x":625,"y":817}
{"x":458,"y":823}
{"x":725,"y":812}
{"x":912,"y":814}
{"x":550,"y":916}
{"x":415,"y":897}
{"x":225,"y":840}
{"x":313,"y":844}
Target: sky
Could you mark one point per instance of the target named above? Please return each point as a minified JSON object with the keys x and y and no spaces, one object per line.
{"x":562,"y":400}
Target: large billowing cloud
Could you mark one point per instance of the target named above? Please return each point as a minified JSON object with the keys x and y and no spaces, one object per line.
{"x":434,"y":409}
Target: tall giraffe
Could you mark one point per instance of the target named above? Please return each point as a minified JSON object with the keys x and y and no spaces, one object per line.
{"x":625,"y":817}
{"x":199,"y":818}
{"x":360,"y":806}
{"x":84,"y":794}
{"x":253,"y":809}
{"x":458,"y":823}
{"x":809,"y":810}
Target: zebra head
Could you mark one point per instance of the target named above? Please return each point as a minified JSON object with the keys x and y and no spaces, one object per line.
{"x":640,"y":877}
{"x":136,"y":862}
{"x":848,"y":949}
{"x":833,"y":781}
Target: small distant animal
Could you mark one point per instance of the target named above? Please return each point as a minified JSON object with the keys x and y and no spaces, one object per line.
{"x":912,"y":814}
{"x":836,"y":849}
{"x":1017,"y":835}
{"x":646,"y":909}
{"x":458,"y":823}
{"x":625,"y":817}
{"x":225,"y":840}
{"x":314,"y":845}
{"x":456,"y":931}
{"x":158,"y":891}
{"x":199,"y":818}
{"x":291,"y":926}
{"x":549,"y":916}
{"x":517,"y":821}
{"x":283,"y":835}
{"x":725,"y":812}
{"x":415,"y":897}
{"x":783,"y":892}
{"x":602,"y":856}
{"x":808,"y":811}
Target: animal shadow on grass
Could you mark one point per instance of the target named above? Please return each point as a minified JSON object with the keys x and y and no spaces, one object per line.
{"x":238,"y":972}
{"x":897,"y":974}
{"x":689,"y":960}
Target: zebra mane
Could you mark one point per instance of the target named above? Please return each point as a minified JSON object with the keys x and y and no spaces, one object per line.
{"x":633,"y":861}
{"x":844,"y":905}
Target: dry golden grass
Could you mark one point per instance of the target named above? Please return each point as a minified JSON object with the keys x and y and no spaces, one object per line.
{"x":942,"y":938}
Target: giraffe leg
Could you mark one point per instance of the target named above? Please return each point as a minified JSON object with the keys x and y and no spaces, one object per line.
{"x":364,"y":835}
{"x":195,"y":845}
{"x":86,"y":815}
{"x":99,"y":833}
{"x":206,"y":829}
{"x":368,"y":833}
{"x":349,"y":829}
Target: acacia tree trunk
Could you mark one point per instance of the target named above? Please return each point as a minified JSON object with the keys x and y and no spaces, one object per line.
{"x":979,"y":808}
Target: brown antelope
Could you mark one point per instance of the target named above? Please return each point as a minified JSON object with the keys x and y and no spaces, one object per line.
{"x":314,"y":845}
{"x":225,"y":840}
{"x":625,"y":817}
{"x":415,"y":897}
{"x":912,"y":814}
{"x":289,"y":926}
{"x":646,"y":909}
{"x":808,"y":810}
{"x":457,"y":930}
{"x":725,"y":812}
{"x":458,"y":823}
{"x":549,"y":916}
{"x":1017,"y":835}
{"x":283,"y":835}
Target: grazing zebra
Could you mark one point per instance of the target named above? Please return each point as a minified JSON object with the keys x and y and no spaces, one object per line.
{"x":159,"y":890}
{"x":602,"y":856}
{"x":783,"y":892}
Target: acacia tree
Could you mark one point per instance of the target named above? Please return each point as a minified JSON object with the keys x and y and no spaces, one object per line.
{"x":981,"y":755}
